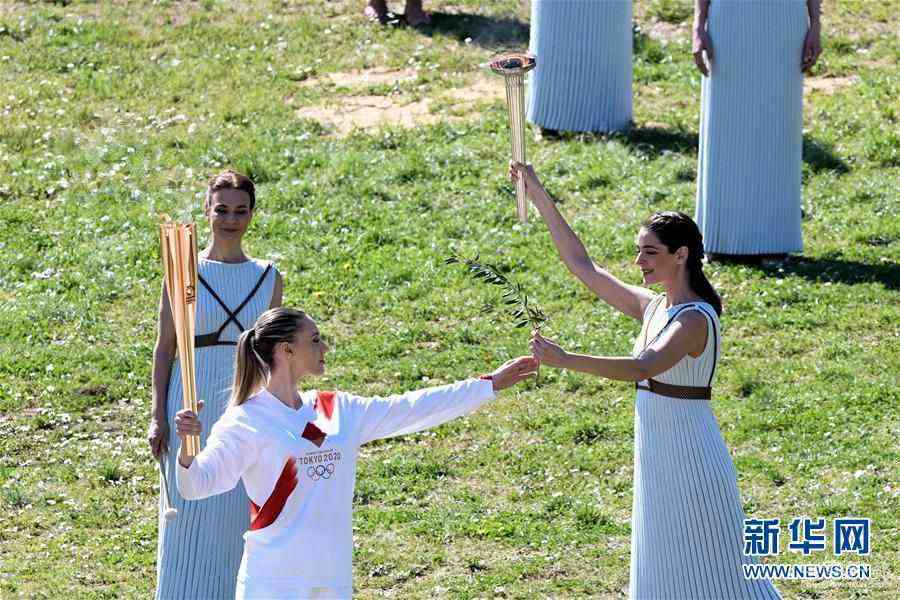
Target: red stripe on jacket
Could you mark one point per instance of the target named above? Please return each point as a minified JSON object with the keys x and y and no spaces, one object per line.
{"x":265,"y":516}
{"x":325,"y":403}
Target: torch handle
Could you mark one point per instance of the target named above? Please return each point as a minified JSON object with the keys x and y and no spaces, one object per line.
{"x":515,"y":99}
{"x":179,"y":256}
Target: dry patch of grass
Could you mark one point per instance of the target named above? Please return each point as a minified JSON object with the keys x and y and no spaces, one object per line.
{"x":347,"y":112}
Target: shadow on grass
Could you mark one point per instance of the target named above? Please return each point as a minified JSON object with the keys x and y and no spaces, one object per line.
{"x":820,"y":157}
{"x":649,"y":142}
{"x":834,"y":270}
{"x":653,"y":141}
{"x":484,"y":30}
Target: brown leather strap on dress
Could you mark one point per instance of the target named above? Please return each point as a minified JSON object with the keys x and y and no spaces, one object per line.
{"x":685,"y":392}
{"x":210,"y":339}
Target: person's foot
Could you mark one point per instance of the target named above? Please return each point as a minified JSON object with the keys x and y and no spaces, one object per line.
{"x":376,"y":10}
{"x":415,"y":15}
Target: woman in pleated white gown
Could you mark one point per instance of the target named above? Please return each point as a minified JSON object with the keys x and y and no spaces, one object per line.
{"x":687,"y":520}
{"x":198,"y":553}
{"x":752,"y":54}
{"x":582,"y":81}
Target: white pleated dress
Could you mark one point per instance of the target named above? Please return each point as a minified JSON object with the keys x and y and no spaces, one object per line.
{"x":687,"y":518}
{"x":199,"y":553}
{"x":582,"y":80}
{"x":751,"y":128}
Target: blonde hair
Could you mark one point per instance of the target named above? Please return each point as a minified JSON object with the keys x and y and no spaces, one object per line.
{"x":256,"y":349}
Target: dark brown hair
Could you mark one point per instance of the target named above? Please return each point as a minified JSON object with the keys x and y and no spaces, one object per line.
{"x":256,"y":349}
{"x":674,"y":230}
{"x":230,"y":180}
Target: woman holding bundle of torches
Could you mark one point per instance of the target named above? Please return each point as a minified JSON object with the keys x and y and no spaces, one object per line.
{"x":687,"y":520}
{"x":296,"y":453}
{"x":199,"y":552}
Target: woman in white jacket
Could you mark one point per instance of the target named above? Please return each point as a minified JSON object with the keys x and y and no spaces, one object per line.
{"x":296,"y":453}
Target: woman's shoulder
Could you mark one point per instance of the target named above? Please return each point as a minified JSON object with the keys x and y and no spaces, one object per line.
{"x":251,"y":263}
{"x":262,"y":264}
{"x":653,"y":305}
{"x":245,"y":418}
{"x":698,"y":313}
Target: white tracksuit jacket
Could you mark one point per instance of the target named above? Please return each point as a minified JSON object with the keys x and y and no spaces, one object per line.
{"x":299,"y":470}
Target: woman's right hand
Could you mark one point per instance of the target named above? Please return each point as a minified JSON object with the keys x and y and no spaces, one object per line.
{"x":700,"y":44}
{"x":526,"y":172}
{"x":188,"y":423}
{"x":158,"y":436}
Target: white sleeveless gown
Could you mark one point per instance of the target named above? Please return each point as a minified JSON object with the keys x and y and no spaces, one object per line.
{"x":750,"y":163}
{"x":687,"y":519}
{"x":198,"y":554}
{"x":582,"y":81}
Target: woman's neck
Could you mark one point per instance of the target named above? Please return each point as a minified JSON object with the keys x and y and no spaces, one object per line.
{"x":680,"y":292}
{"x":284,"y":387}
{"x":227,"y":252}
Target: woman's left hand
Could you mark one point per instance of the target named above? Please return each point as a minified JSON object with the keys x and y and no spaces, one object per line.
{"x":812,"y":48}
{"x":513,"y":371}
{"x":547,"y":351}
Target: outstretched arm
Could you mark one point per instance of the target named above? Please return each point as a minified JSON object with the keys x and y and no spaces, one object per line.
{"x":686,"y":335}
{"x":376,"y":418}
{"x":628,"y":299}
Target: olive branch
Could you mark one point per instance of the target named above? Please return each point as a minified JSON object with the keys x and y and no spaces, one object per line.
{"x":515,"y":300}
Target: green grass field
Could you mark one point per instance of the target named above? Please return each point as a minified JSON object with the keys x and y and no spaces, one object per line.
{"x":114,"y":112}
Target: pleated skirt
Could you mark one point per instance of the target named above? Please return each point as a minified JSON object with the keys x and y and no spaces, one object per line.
{"x":751,"y":128}
{"x":687,"y":519}
{"x":199,"y":553}
{"x":582,"y":81}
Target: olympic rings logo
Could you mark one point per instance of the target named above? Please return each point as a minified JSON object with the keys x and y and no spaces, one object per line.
{"x":320,"y":472}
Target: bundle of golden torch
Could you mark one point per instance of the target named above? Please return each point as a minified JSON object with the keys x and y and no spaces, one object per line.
{"x":178,"y":249}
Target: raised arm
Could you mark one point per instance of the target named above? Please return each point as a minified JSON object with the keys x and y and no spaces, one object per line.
{"x":628,"y":299}
{"x":376,"y":418}
{"x":163,"y":355}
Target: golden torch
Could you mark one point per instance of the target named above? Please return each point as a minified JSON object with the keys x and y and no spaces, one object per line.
{"x":178,"y":249}
{"x":513,"y":68}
